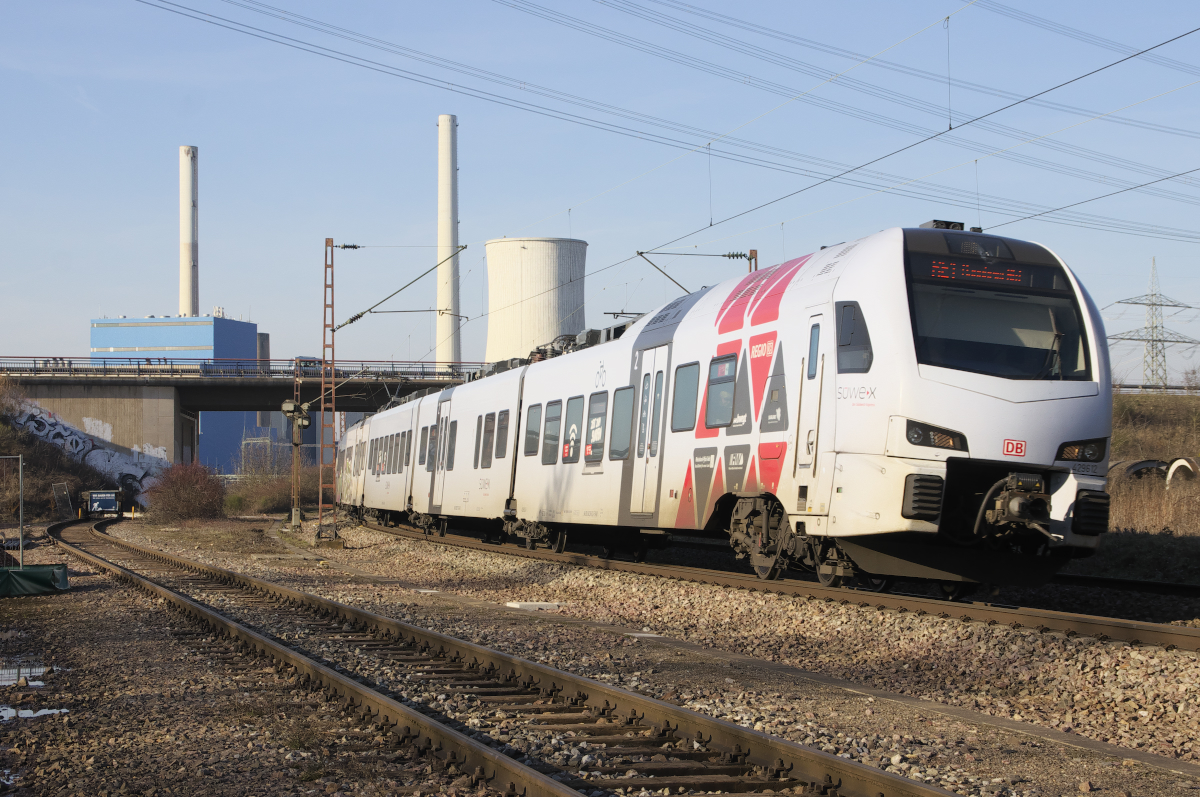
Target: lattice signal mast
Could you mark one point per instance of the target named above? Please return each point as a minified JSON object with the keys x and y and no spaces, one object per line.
{"x":1154,"y":335}
{"x":327,"y":464}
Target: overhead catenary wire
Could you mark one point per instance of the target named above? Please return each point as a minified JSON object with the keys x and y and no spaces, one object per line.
{"x":937,"y":135}
{"x":371,"y":309}
{"x":877,"y":92}
{"x":1093,"y":199}
{"x":904,"y":69}
{"x":487,"y":96}
{"x":1074,"y":221}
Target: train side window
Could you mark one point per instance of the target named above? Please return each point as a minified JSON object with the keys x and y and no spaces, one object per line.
{"x":478,"y":437}
{"x":622,"y":423}
{"x":533,"y":429}
{"x":718,"y":406}
{"x":424,"y":445}
{"x":394,"y":462}
{"x":502,"y":434}
{"x":400,"y":452}
{"x":489,"y":433}
{"x":658,"y":404}
{"x":387,"y":454}
{"x":573,"y":430}
{"x":432,"y":451}
{"x":814,"y":349}
{"x":408,"y":447}
{"x":854,"y":354}
{"x":593,"y":447}
{"x":374,"y":456}
{"x":687,"y":391}
{"x":550,"y":433}
{"x":450,"y":445}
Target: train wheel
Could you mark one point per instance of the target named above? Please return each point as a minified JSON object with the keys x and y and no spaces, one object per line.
{"x":639,"y":551}
{"x":530,"y":543}
{"x":874,"y":583}
{"x":606,"y":552}
{"x":956,"y":590}
{"x":829,"y":579}
{"x":442,"y":526}
{"x":560,"y":542}
{"x":825,"y":554}
{"x":768,"y":550}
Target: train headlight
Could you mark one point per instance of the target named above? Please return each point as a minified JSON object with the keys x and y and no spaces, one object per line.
{"x":922,"y":434}
{"x":1083,"y":450}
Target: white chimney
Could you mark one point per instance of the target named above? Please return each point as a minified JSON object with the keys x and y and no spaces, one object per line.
{"x":449,"y":347}
{"x":189,"y":231}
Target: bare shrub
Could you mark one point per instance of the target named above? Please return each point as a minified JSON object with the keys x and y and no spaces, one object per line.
{"x":186,"y":491}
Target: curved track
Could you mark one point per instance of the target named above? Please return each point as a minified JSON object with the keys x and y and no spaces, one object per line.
{"x":694,"y":752}
{"x":1071,"y":624}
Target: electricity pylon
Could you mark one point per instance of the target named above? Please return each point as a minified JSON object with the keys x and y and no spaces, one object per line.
{"x":1154,"y":335}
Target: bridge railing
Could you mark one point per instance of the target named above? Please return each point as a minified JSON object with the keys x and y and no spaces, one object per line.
{"x":184,"y":368}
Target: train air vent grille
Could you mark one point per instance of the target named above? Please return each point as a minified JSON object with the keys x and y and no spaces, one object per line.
{"x":1091,"y":513}
{"x":922,"y":497}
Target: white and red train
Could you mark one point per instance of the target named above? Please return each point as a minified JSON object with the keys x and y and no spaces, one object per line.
{"x":919,"y":403}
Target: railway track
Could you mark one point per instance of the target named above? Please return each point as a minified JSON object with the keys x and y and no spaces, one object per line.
{"x":633,"y":742}
{"x":1044,"y":620}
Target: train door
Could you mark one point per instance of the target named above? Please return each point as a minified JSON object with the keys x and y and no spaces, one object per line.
{"x":444,"y":440}
{"x":643,"y":498}
{"x":809,"y":499}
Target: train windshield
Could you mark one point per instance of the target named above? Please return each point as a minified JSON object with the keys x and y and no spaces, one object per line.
{"x":997,"y":317}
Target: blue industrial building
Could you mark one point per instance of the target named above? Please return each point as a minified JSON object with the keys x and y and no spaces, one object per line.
{"x":181,"y":339}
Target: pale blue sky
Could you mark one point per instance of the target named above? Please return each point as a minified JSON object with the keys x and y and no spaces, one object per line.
{"x":296,"y":147}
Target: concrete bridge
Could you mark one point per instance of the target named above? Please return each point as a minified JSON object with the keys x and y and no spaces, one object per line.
{"x":152,"y":403}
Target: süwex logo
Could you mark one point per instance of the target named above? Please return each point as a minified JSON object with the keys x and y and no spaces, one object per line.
{"x":858,"y":393}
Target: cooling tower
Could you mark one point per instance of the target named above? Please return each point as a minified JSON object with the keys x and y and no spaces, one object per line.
{"x":535,"y":293}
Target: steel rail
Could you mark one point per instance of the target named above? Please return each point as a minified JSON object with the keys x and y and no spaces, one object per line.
{"x":410,"y":724}
{"x":1128,"y":585}
{"x":780,"y":762}
{"x":1016,"y":617}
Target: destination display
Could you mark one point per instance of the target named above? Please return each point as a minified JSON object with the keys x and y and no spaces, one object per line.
{"x":968,"y":270}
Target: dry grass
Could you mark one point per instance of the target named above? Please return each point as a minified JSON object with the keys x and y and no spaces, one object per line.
{"x":266,"y":494}
{"x":1155,"y":427}
{"x":1154,"y":532}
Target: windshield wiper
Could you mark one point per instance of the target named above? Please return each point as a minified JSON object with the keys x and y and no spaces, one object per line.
{"x":1053,"y":357}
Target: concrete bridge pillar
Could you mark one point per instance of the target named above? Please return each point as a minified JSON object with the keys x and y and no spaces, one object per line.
{"x":143,"y":422}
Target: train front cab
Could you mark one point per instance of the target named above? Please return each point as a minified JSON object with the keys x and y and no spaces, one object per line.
{"x":994,"y":389}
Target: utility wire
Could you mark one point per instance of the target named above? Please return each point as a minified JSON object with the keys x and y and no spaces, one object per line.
{"x":498,"y":99}
{"x":880,"y":63}
{"x":1093,"y":199}
{"x":371,"y":309}
{"x":887,"y":94}
{"x":343,"y":33}
{"x":1083,"y":36}
{"x":939,"y":134}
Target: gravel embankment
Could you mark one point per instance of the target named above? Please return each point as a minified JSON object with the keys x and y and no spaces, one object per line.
{"x":830,"y":638}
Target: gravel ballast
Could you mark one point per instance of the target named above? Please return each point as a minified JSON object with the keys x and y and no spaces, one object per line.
{"x":823,"y":641}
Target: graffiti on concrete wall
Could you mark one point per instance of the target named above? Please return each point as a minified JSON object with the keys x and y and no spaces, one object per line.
{"x":134,"y":471}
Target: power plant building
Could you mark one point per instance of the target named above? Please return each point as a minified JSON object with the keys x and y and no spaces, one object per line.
{"x":212,"y":438}
{"x":535,"y":293}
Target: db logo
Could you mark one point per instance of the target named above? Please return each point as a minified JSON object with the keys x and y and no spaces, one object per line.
{"x":1014,"y":448}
